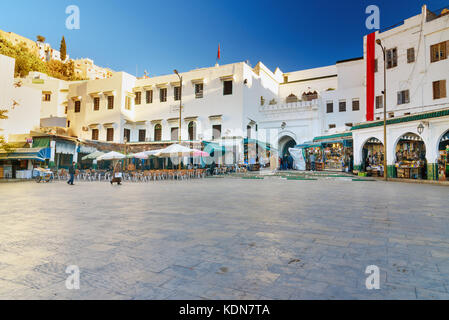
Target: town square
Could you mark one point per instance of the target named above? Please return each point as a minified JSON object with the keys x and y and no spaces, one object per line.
{"x":214,"y":153}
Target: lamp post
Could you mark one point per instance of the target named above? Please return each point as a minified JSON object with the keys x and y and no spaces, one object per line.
{"x":180,"y":109}
{"x":379,"y":42}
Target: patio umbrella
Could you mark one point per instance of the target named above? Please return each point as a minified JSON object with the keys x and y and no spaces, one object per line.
{"x":175,"y":150}
{"x":93,"y":155}
{"x":111,"y":156}
{"x":199,"y":153}
{"x":140,"y":155}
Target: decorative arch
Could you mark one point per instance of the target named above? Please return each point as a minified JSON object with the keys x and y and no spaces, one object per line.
{"x":309,"y":96}
{"x":292,"y":98}
{"x":412,"y":137}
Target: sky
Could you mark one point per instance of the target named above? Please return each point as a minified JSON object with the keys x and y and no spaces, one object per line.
{"x":160,"y":36}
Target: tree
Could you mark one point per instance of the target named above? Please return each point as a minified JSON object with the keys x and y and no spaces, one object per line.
{"x":3,"y":144}
{"x":41,"y":39}
{"x":63,"y":49}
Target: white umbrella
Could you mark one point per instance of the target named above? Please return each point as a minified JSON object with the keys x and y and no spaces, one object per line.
{"x":140,"y":155}
{"x":175,"y":150}
{"x":152,"y":152}
{"x":111,"y":156}
{"x":93,"y":155}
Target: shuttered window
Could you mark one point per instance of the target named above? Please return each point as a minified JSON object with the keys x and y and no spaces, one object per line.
{"x":392,"y":58}
{"x":439,"y":89}
{"x":330,"y":107}
{"x":438,"y":51}
{"x":410,"y":55}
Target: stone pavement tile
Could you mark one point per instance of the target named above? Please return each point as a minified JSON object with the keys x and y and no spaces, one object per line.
{"x":7,"y":288}
{"x":182,"y":295}
{"x":398,"y":292}
{"x":424,"y":294}
{"x":147,"y":291}
{"x":191,"y":286}
{"x":217,"y":293}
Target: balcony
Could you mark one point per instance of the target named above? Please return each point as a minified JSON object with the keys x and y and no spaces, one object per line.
{"x":291,"y":106}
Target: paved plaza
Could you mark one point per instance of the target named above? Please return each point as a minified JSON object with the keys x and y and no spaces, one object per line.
{"x":224,"y":238}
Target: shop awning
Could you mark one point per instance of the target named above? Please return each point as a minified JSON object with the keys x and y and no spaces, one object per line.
{"x":211,"y":147}
{"x":38,"y":154}
{"x":309,"y":145}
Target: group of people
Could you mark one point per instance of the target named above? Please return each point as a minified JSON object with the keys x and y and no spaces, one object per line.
{"x":286,"y":162}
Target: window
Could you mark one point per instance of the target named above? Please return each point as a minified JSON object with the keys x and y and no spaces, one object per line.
{"x":177,"y":93}
{"x":157,"y":132}
{"x":110,"y":102}
{"x":403,"y":97}
{"x":65,"y":110}
{"x":199,"y":87}
{"x":342,"y":106}
{"x":379,"y":102}
{"x":46,"y":97}
{"x":390,"y":114}
{"x":355,"y":105}
{"x":94,"y":134}
{"x":376,"y":65}
{"x":77,"y":106}
{"x":285,"y":79}
{"x":174,"y":134}
{"x":142,"y":135}
{"x":110,"y":134}
{"x":127,"y":135}
{"x":138,"y":98}
{"x":392,"y":58}
{"x":216,"y":132}
{"x":163,"y":95}
{"x":68,"y":124}
{"x":439,"y":89}
{"x":410,"y":55}
{"x":332,"y":126}
{"x":96,"y":103}
{"x":350,"y":124}
{"x":149,"y":96}
{"x":227,"y":87}
{"x":192,"y":131}
{"x":438,"y":52}
{"x":128,"y":103}
{"x":330,"y":107}
{"x":248,"y":132}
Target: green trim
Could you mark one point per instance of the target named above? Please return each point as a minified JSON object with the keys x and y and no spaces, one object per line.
{"x":429,"y":115}
{"x":391,"y":171}
{"x":432,"y":171}
{"x":334,"y":136}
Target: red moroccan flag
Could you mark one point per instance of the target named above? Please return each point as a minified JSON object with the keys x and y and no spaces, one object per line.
{"x":219,"y":53}
{"x":370,"y":57}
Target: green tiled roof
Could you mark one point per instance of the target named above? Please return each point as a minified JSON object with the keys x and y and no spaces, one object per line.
{"x":416,"y":117}
{"x":334,"y":136}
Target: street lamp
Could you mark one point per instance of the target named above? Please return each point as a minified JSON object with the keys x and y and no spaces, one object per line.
{"x":180,"y":109}
{"x":420,"y":128}
{"x":379,"y":42}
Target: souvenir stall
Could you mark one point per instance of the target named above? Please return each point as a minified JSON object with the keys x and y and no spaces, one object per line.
{"x":411,"y":157}
{"x":333,"y":154}
{"x":443,"y":159}
{"x":373,"y":158}
{"x":317,"y":151}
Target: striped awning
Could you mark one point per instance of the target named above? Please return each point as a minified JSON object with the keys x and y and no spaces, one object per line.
{"x":38,"y":154}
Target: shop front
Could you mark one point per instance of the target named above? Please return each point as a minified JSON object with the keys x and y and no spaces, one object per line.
{"x":373,"y":158}
{"x":313,"y":154}
{"x":20,"y":162}
{"x":443,"y":158}
{"x":411,"y":157}
{"x":336,"y":152}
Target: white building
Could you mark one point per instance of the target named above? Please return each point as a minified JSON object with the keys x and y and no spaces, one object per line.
{"x":417,"y":103}
{"x":21,"y":102}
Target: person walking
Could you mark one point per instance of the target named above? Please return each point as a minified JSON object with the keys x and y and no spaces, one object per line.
{"x":72,"y":174}
{"x":312,"y":162}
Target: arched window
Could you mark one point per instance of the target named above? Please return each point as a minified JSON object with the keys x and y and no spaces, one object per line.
{"x":157,"y":132}
{"x":292,"y":98}
{"x":192,"y":131}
